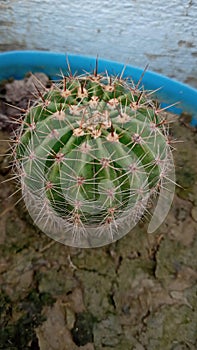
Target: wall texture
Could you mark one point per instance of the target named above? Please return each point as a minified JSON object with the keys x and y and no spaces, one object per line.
{"x":162,"y":34}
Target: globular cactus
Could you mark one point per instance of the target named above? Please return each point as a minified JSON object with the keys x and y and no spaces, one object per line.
{"x":91,"y":153}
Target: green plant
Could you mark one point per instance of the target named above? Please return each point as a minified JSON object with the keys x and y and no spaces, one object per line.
{"x":91,"y":153}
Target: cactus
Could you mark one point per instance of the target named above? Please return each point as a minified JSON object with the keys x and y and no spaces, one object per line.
{"x":91,"y":153}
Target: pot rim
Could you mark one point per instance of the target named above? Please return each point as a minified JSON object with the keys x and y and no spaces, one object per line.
{"x":168,"y":91}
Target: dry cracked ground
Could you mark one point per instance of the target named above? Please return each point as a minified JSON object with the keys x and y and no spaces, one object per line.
{"x":138,"y":293}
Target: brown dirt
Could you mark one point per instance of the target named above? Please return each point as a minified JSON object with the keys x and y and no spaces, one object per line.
{"x":138,"y":293}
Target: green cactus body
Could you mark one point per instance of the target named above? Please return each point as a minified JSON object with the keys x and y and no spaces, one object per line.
{"x":91,"y":153}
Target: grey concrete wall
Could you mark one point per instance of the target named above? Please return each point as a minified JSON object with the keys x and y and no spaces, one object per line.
{"x":163,"y":34}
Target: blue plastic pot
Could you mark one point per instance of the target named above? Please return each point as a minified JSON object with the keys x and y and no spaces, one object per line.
{"x":17,"y":63}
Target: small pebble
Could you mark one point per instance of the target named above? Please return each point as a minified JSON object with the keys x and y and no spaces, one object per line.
{"x":194,"y":213}
{"x":70,"y":318}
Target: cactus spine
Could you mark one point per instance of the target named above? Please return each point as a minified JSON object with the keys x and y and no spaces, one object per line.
{"x":92,"y":151}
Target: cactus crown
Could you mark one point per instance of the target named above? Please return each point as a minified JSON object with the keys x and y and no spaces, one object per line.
{"x":92,"y":151}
